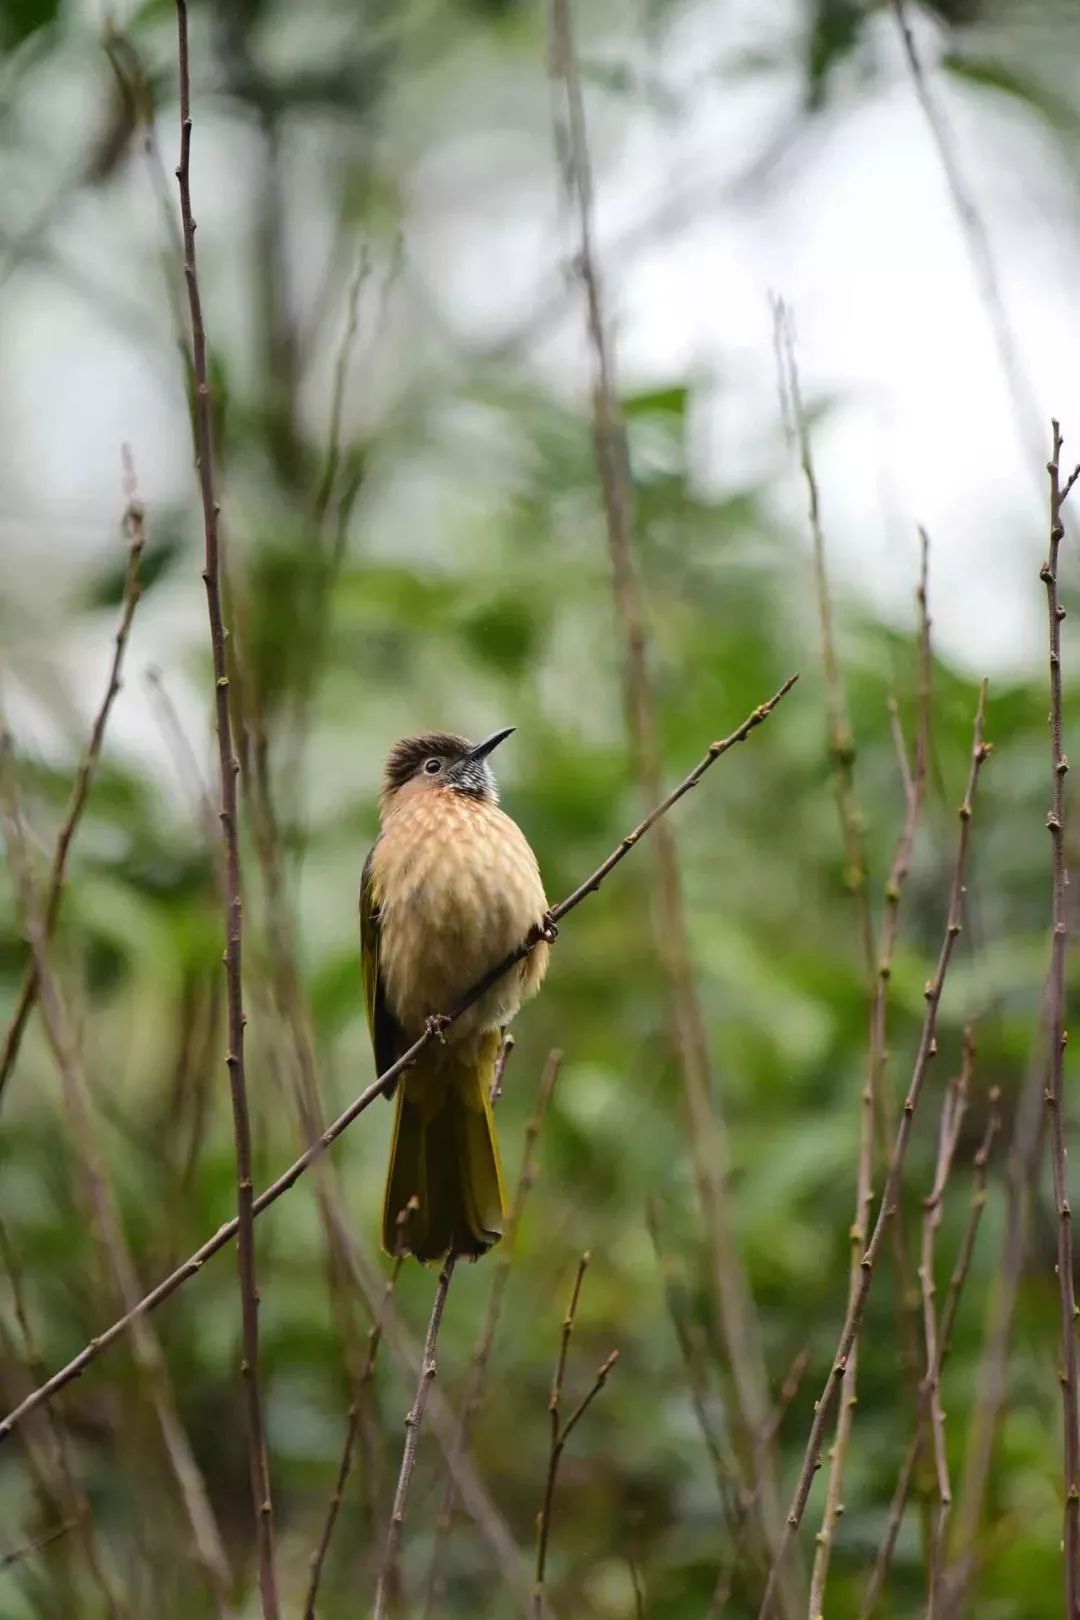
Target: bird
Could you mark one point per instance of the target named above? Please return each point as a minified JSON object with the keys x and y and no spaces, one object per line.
{"x":450,"y":887}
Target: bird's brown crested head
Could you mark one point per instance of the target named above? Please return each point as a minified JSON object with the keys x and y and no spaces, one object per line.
{"x":443,"y":760}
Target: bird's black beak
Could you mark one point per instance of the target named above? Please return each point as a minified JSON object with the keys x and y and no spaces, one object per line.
{"x":489,"y":744}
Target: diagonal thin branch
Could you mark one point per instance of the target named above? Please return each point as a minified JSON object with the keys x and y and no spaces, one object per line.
{"x":413,"y":1420}
{"x":135,"y":528}
{"x":543,"y":929}
{"x":229,"y":769}
{"x":1055,"y":1093}
{"x":732,"y":1302}
{"x":927,"y":1050}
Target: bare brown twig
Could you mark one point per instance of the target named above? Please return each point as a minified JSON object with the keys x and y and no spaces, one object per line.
{"x":413,"y":1421}
{"x":729,"y":1291}
{"x":135,"y":529}
{"x":941,"y":1349}
{"x":229,"y":769}
{"x":1055,"y":1094}
{"x":477,"y":1377}
{"x":561,"y":1432}
{"x":542,"y":929}
{"x":927,"y":1049}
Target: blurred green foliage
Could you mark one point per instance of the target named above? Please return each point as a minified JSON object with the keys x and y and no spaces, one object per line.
{"x":459,"y":578}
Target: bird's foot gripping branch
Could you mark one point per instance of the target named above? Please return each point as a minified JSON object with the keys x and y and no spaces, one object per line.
{"x":227,"y":1232}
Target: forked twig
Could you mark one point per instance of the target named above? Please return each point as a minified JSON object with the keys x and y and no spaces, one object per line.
{"x":927,"y":1049}
{"x":229,"y":768}
{"x":561,"y":1432}
{"x":413,"y":1420}
{"x":288,"y":1178}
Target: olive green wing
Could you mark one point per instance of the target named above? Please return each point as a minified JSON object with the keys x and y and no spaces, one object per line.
{"x":386,"y":1034}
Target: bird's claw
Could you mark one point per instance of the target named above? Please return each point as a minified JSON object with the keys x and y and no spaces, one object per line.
{"x":548,"y":928}
{"x":435,"y":1026}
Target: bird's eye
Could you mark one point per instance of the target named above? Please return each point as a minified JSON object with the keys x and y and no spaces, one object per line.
{"x":433,"y":766}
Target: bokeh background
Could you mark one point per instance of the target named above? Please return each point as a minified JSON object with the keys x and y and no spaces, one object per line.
{"x":415,"y":539}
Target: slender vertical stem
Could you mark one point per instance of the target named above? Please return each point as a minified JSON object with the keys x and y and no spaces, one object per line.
{"x":927,"y":1050}
{"x":229,"y":769}
{"x":415,"y":1417}
{"x":1055,"y":1094}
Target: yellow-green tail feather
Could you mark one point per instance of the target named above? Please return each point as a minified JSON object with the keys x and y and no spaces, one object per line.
{"x":445,"y":1155}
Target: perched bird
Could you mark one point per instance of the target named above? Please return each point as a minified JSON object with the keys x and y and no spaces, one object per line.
{"x":448,"y":890}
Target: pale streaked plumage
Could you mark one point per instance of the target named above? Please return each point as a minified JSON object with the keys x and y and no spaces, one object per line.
{"x":457,"y":888}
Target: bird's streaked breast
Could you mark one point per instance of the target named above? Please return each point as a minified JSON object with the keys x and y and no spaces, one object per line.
{"x":457,"y":887}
